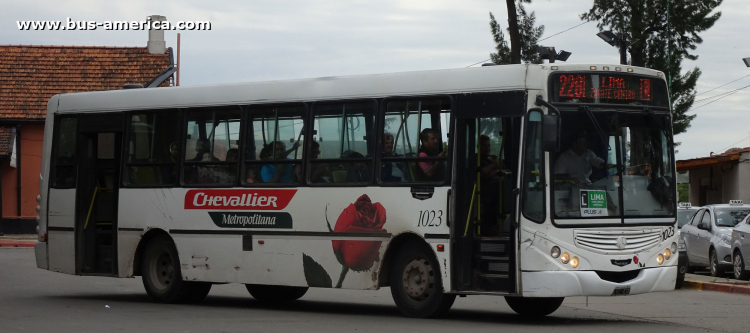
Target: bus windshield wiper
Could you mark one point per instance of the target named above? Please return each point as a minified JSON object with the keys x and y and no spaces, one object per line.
{"x":661,"y":126}
{"x":596,"y":125}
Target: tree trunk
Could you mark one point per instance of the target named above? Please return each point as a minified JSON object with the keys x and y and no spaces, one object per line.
{"x":515,"y":35}
{"x":636,"y":34}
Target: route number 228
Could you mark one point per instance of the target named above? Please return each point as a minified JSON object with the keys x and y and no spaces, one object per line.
{"x":430,"y":218}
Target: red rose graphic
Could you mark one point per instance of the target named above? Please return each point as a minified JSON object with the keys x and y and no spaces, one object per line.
{"x":361,"y":216}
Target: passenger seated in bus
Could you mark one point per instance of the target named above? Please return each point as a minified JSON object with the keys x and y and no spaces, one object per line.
{"x":391,"y":171}
{"x":489,"y":167}
{"x":232,"y":155}
{"x":433,"y":170}
{"x":168,"y":172}
{"x":357,"y":172}
{"x":278,"y":173}
{"x":252,"y":175}
{"x":319,"y":172}
{"x":230,"y":170}
{"x":576,"y":163}
{"x":203,"y":149}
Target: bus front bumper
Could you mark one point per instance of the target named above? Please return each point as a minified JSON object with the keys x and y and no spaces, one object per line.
{"x":588,"y":283}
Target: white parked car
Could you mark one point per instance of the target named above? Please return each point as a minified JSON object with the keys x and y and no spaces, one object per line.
{"x":685,"y":213}
{"x":708,"y":236}
{"x":741,"y":249}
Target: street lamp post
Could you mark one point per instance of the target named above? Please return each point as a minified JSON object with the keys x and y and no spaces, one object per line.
{"x":610,"y":38}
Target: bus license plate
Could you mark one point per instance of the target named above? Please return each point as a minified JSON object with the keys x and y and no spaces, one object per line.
{"x":621,"y":291}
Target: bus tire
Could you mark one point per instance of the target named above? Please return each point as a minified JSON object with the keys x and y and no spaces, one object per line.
{"x":160,"y":269}
{"x":267,"y":293}
{"x":416,"y":284}
{"x":534,"y":306}
{"x":198,"y":291}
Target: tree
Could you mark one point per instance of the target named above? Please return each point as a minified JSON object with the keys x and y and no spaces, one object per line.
{"x":661,"y":43}
{"x":523,"y":36}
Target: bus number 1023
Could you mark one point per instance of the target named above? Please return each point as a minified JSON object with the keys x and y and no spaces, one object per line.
{"x":430,"y":218}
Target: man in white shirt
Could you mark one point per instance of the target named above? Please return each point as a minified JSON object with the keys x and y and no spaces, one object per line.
{"x":576,"y":162}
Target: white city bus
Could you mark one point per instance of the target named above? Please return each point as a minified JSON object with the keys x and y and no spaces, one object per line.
{"x":533,"y":182}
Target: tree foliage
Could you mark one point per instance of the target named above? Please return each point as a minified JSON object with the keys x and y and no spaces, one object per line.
{"x":660,"y":44}
{"x":524,"y":36}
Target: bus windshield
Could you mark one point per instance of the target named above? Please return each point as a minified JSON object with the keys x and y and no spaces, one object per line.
{"x":613,"y":165}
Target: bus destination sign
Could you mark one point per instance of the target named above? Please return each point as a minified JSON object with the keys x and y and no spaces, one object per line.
{"x":608,"y":89}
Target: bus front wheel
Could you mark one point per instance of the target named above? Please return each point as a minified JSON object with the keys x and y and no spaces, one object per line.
{"x":534,"y":306}
{"x":268,"y":293}
{"x":416,"y":285}
{"x":162,"y":278}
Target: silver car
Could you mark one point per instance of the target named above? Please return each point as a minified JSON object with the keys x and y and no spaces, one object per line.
{"x":741,"y":249}
{"x":708,"y":236}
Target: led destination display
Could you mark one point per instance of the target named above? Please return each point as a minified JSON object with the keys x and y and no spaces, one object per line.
{"x":609,"y":89}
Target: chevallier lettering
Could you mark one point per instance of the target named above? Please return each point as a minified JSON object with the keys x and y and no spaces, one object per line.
{"x":201,"y":199}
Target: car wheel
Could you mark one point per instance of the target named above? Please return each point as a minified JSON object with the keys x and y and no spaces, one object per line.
{"x":715,"y":269}
{"x":533,"y":306}
{"x":740,"y":273}
{"x":268,"y":293}
{"x":416,"y":284}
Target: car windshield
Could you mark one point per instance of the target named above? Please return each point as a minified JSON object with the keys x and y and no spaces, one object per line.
{"x":683,"y":216}
{"x":623,"y":171}
{"x":729,"y":217}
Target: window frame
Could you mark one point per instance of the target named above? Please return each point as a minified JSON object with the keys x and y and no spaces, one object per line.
{"x":448,"y":159}
{"x":246,"y":114}
{"x":183,"y":162}
{"x":311,"y":129}
{"x":542,"y":172}
{"x":125,"y":149}
{"x":53,"y":152}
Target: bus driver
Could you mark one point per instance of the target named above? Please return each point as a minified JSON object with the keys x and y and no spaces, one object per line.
{"x":577,"y":161}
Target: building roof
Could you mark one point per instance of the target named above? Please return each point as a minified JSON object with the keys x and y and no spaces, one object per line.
{"x":31,"y":74}
{"x":5,"y":136}
{"x":730,"y":156}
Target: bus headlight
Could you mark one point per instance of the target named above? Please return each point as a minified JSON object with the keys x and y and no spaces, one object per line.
{"x":555,"y":252}
{"x":667,"y":254}
{"x":574,"y":262}
{"x":660,"y":259}
{"x":565,"y":257}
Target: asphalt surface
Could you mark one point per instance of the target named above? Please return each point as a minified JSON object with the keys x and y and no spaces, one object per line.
{"x":37,"y":300}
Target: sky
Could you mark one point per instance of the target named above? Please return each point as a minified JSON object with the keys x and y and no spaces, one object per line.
{"x":259,"y":40}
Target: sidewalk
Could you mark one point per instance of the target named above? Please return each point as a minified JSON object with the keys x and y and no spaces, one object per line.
{"x":724,"y":284}
{"x":18,"y":240}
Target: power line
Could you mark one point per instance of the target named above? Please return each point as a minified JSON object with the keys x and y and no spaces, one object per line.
{"x":732,"y":145}
{"x":718,"y":99}
{"x":722,"y":85}
{"x":566,"y":30}
{"x":719,"y":95}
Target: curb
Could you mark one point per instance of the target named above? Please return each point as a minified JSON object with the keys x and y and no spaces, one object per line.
{"x":17,"y":243}
{"x":720,"y":287}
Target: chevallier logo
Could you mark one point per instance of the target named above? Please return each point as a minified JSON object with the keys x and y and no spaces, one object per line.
{"x":238,"y":199}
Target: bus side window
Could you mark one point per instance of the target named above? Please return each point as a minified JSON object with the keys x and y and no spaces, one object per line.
{"x":532,"y":204}
{"x":153,"y":149}
{"x":415,"y":140}
{"x":344,"y":139}
{"x":274,"y":143}
{"x":211,"y":146}
{"x":65,"y":155}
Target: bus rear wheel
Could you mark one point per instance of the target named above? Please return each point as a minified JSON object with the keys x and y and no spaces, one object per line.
{"x":162,"y":278}
{"x":268,"y":293}
{"x":416,"y":285}
{"x":534,"y":306}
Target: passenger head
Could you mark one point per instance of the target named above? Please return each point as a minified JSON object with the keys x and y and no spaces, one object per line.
{"x":265,"y":152}
{"x":579,"y":142}
{"x":202,"y":146}
{"x":388,"y":143}
{"x":279,"y":150}
{"x":174,"y":151}
{"x":314,"y":150}
{"x":429,"y":139}
{"x":484,"y":145}
{"x":354,"y":154}
{"x":232,"y":155}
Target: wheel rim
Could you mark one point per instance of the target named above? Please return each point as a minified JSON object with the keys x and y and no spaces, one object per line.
{"x":714,"y":264}
{"x":161,"y":270}
{"x":419,"y":279}
{"x":737,"y":265}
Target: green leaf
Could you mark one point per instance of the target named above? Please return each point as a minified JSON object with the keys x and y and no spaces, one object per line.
{"x":315,"y":274}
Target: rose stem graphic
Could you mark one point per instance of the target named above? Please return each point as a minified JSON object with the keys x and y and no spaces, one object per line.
{"x":344,"y":270}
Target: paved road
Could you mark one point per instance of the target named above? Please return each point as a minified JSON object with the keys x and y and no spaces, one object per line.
{"x":36,"y":300}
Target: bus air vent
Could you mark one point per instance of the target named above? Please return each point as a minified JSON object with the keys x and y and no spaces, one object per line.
{"x":617,"y":241}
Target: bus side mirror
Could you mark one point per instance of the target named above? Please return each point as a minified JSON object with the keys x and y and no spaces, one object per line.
{"x":551,"y":132}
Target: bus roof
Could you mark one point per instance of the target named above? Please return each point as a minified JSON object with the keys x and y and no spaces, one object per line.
{"x":462,"y":80}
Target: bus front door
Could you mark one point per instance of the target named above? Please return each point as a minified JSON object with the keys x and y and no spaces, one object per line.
{"x":96,"y":199}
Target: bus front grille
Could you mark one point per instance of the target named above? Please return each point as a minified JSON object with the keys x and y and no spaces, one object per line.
{"x":617,"y":241}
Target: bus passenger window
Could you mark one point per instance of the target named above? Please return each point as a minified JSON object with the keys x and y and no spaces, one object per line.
{"x":415,"y":141}
{"x":211,"y":146}
{"x":343,"y":143}
{"x":274,"y":145}
{"x":65,"y":159}
{"x":153,"y":149}
{"x":532,"y":204}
